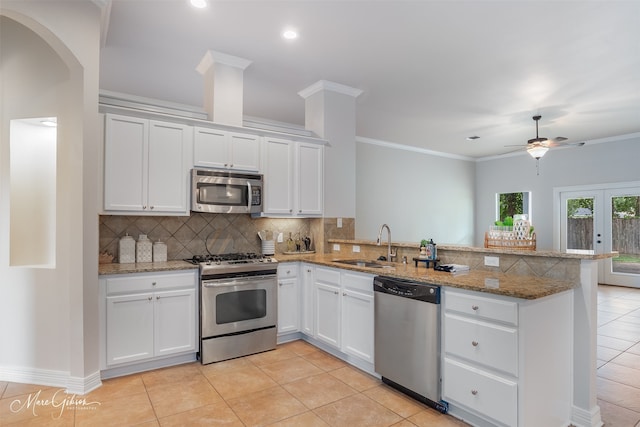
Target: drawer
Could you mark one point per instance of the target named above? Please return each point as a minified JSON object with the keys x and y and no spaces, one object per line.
{"x":489,"y":344}
{"x":481,"y":392}
{"x":328,"y":275}
{"x":287,"y":270}
{"x":481,"y":307}
{"x":358,"y":282}
{"x":143,"y":282}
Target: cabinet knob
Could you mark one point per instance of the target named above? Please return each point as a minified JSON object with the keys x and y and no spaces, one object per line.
{"x":280,"y":283}
{"x":153,"y":283}
{"x":290,"y":210}
{"x":474,"y":343}
{"x":474,"y":307}
{"x":344,"y":294}
{"x":309,"y":271}
{"x":231,"y":165}
{"x":474,"y":392}
{"x":158,"y":297}
{"x":149,"y":298}
{"x":300,"y":211}
{"x":336,"y":292}
{"x":151,"y":207}
{"x":226,"y":164}
{"x":288,"y":271}
{"x":144,"y":207}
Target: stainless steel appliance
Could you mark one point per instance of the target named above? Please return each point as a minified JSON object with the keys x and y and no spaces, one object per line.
{"x":238,"y":305}
{"x":407,"y":338}
{"x":225,"y":192}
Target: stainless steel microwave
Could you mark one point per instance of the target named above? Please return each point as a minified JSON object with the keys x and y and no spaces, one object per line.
{"x":225,"y":192}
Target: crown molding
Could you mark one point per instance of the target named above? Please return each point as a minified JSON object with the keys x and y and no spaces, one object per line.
{"x":321,"y":85}
{"x":212,"y":57}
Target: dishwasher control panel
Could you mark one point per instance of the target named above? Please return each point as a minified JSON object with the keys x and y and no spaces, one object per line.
{"x":407,"y":289}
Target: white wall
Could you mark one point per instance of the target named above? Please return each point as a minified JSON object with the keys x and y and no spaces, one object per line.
{"x":418,"y":194}
{"x":607,"y":162}
{"x":49,"y":67}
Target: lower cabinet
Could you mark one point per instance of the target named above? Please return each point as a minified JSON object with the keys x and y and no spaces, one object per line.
{"x":344,"y":311}
{"x":505,"y":361}
{"x":147,"y":316}
{"x":288,"y":300}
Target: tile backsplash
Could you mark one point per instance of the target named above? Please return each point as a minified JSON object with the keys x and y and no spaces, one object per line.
{"x":216,"y":233}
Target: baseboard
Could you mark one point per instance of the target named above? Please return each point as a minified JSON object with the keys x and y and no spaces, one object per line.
{"x":147,"y":366}
{"x":50,"y":378}
{"x":584,"y":418}
{"x":82,"y":386}
{"x":45,"y":377}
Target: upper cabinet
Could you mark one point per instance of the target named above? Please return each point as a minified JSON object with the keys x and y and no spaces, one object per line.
{"x":214,"y":148}
{"x":294,"y":174}
{"x":146,"y":166}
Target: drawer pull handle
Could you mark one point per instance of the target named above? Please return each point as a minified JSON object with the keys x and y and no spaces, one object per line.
{"x":474,"y":307}
{"x":474,"y":392}
{"x":474,"y":343}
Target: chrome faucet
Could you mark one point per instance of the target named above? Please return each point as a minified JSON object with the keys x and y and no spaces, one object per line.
{"x":390,"y":254}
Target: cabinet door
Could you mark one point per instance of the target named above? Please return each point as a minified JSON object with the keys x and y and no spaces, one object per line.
{"x":175,"y":322}
{"x":278,"y":172}
{"x":210,"y":148}
{"x":357,"y":324}
{"x":310,"y":175}
{"x":327,"y":310}
{"x":307,"y":323}
{"x":125,"y":163}
{"x":168,"y":167}
{"x":129,"y":328}
{"x":245,"y":152}
{"x":287,"y":305}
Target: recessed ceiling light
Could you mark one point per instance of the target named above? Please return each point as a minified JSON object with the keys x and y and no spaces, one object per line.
{"x":200,"y":4}
{"x":290,"y":34}
{"x":471,"y":138}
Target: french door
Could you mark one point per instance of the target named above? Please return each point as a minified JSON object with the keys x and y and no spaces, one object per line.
{"x":602,"y":219}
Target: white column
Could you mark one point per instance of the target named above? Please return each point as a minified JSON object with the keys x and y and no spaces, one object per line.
{"x":330,"y":112}
{"x":586,"y":411}
{"x":223,"y":86}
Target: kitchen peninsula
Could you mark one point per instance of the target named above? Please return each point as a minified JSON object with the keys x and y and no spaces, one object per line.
{"x":524,"y":275}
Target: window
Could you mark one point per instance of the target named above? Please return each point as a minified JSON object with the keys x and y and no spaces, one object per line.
{"x":511,"y":204}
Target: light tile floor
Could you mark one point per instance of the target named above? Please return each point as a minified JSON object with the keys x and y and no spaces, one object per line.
{"x":294,"y":385}
{"x":300,"y":385}
{"x":618,"y":380}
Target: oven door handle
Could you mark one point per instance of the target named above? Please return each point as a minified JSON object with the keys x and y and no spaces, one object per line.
{"x":218,"y":283}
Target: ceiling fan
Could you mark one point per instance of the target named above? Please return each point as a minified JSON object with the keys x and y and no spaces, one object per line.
{"x":538,"y":146}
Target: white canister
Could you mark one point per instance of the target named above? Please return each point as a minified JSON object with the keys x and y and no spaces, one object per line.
{"x":127,"y":250}
{"x":144,"y":249}
{"x":159,"y":251}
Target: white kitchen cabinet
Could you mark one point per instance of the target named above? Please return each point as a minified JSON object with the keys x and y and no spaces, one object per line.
{"x":328,"y":303}
{"x":147,"y":316}
{"x":357,"y":314}
{"x":146,"y":166}
{"x":288,"y":300}
{"x":215,"y":148}
{"x":306,"y":281}
{"x":504,"y":359}
{"x":294,"y":178}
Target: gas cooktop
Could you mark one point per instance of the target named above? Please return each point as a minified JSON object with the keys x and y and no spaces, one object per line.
{"x":240,"y":262}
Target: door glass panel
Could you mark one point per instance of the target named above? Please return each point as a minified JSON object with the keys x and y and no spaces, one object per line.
{"x":580,"y":225}
{"x":625,"y":234}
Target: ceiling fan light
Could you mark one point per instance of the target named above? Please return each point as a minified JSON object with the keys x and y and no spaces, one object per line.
{"x":537,"y":151}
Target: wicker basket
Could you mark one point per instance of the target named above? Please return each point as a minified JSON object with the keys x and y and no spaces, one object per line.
{"x":504,"y":241}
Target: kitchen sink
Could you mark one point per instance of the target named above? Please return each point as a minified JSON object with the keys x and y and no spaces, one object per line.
{"x":362,"y":263}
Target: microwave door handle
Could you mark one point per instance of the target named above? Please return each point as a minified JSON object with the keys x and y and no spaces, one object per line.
{"x":250,"y":197}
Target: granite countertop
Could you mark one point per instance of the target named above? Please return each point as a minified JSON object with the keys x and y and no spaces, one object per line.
{"x":536,"y":253}
{"x":525,"y":287}
{"x":144,"y":267}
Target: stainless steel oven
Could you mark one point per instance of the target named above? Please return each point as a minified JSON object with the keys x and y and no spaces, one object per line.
{"x":238,"y":306}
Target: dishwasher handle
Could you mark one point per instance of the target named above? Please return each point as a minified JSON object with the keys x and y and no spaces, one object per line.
{"x":407,"y":289}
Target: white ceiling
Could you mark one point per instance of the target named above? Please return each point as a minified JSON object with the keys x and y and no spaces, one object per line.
{"x":432,"y":72}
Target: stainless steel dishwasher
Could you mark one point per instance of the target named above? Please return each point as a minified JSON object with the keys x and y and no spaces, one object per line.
{"x":407,"y":338}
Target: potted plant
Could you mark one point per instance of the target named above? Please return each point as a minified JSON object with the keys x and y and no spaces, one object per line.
{"x":423,"y":248}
